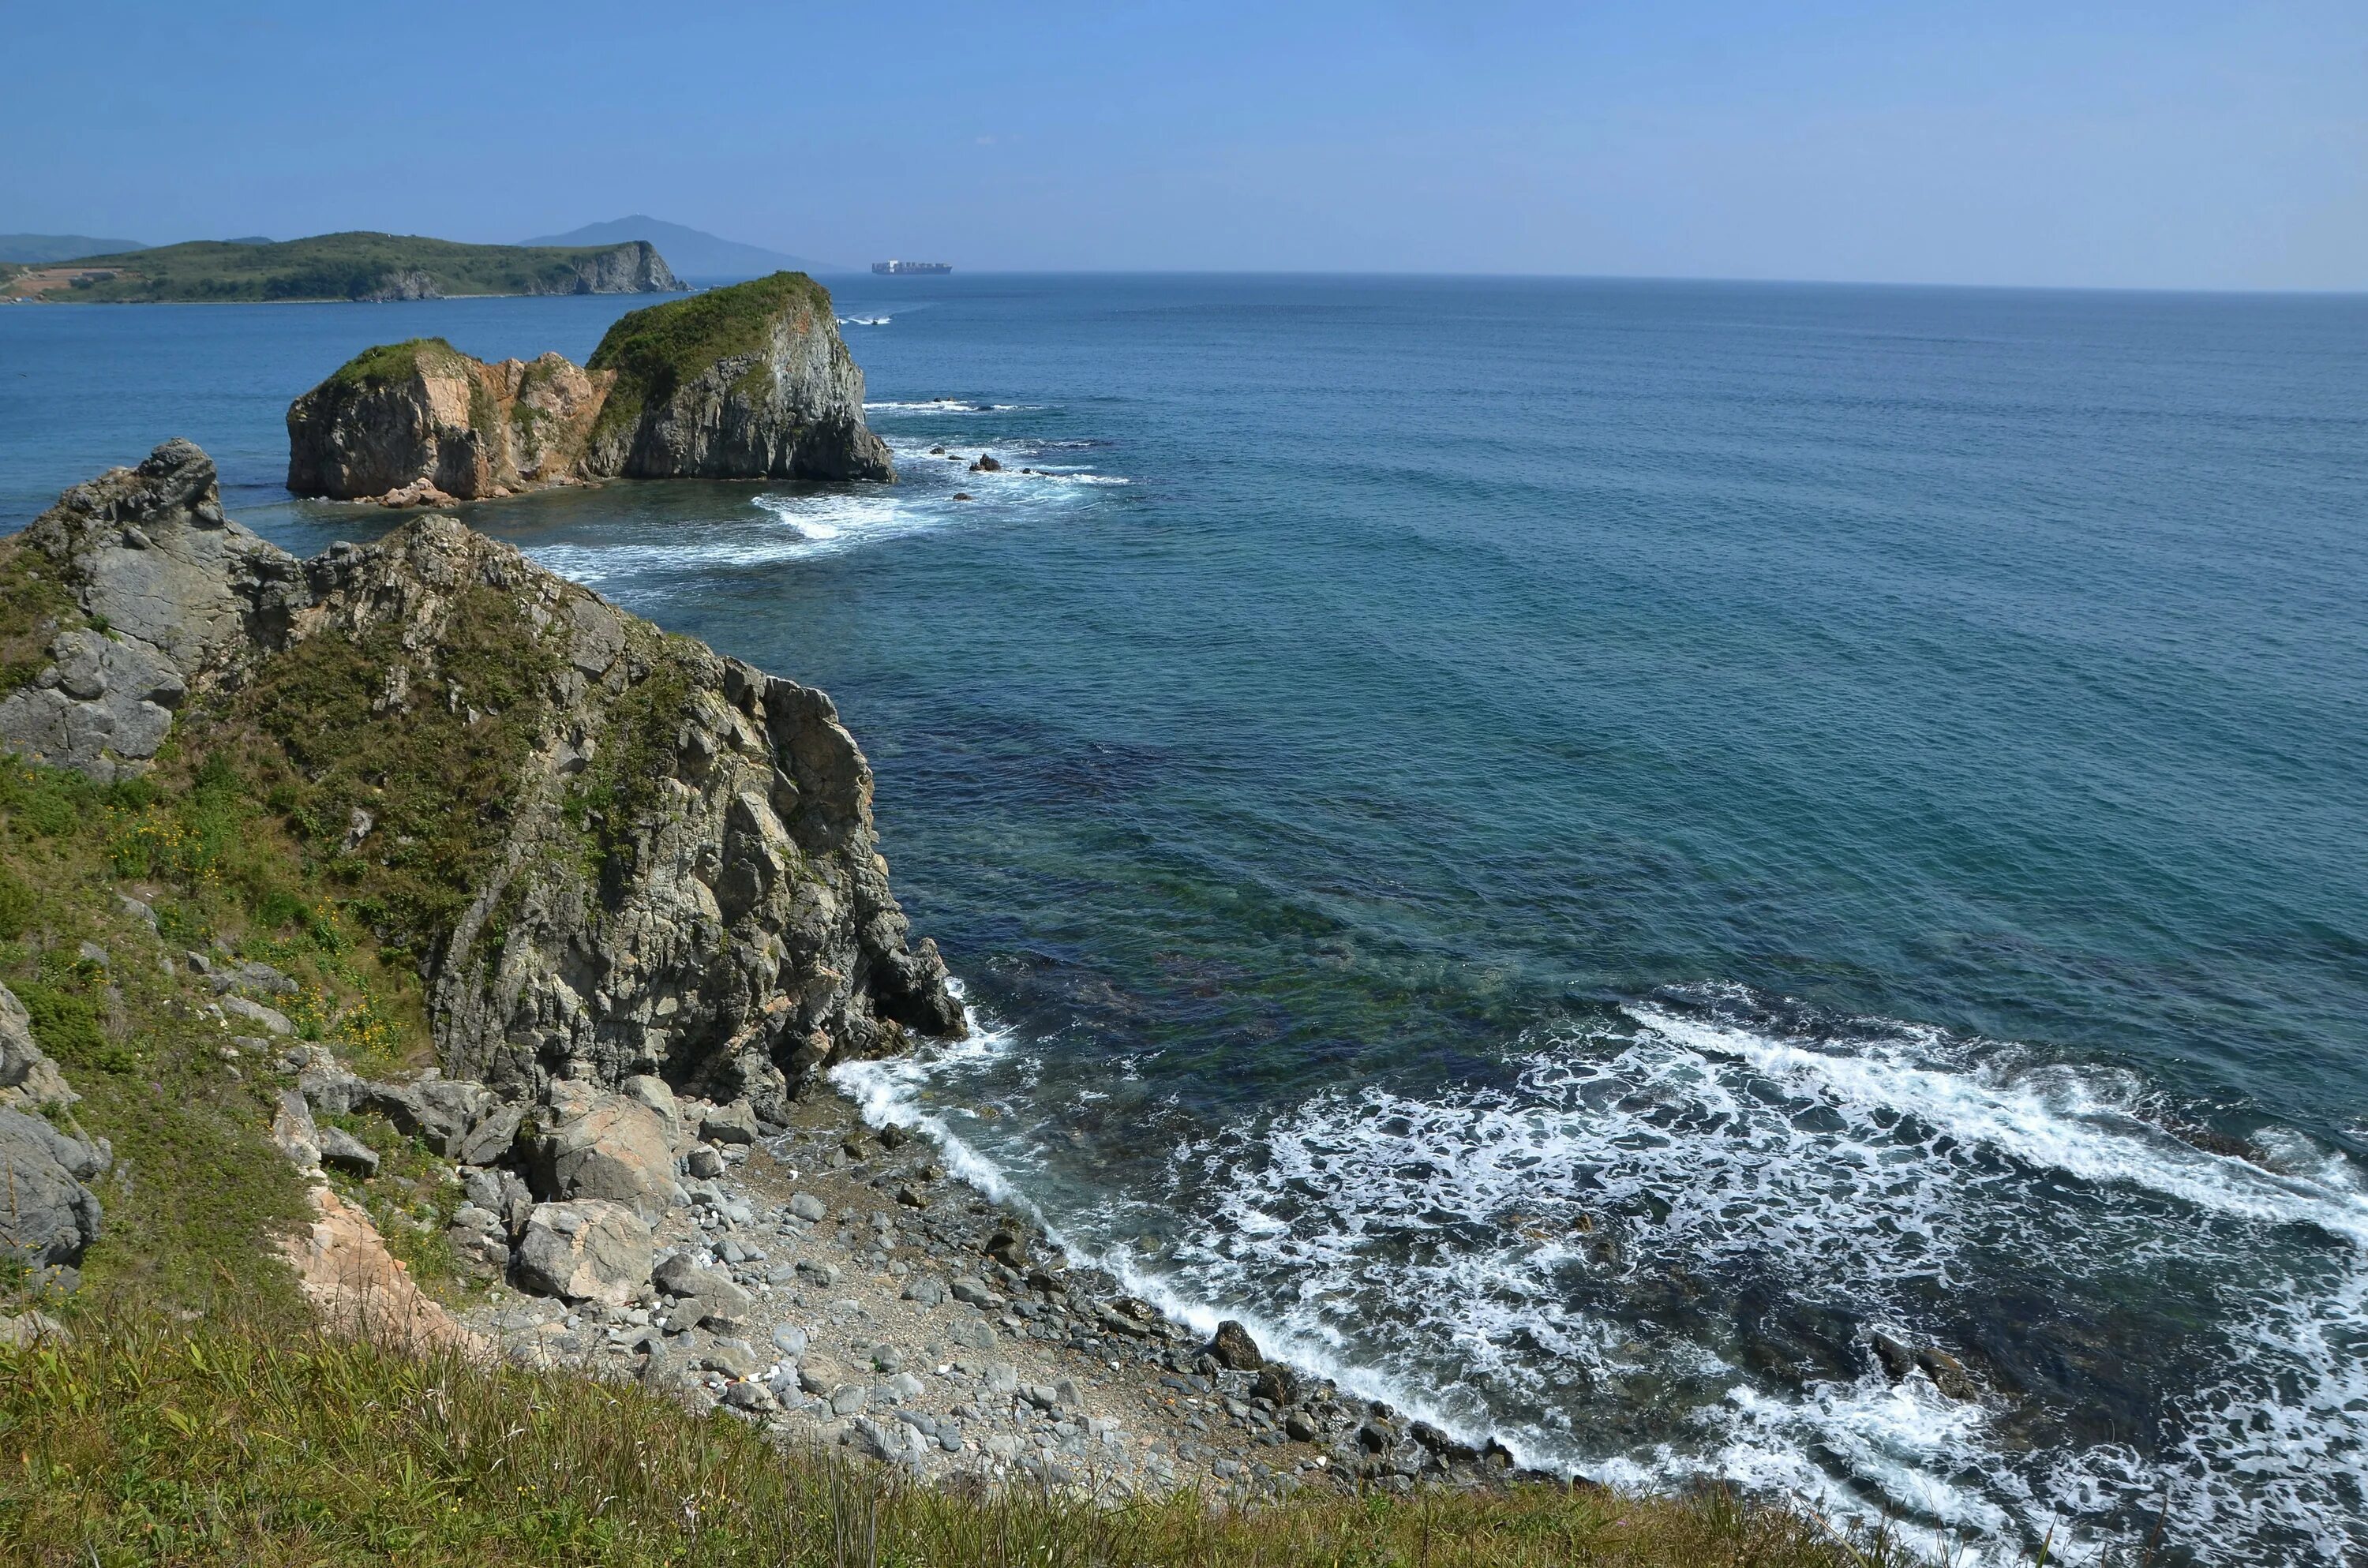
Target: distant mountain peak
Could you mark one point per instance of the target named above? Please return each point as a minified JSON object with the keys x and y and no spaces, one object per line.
{"x":41,"y":250}
{"x":692,"y":253}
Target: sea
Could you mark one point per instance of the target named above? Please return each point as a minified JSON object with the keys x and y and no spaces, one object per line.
{"x":1577,"y":854}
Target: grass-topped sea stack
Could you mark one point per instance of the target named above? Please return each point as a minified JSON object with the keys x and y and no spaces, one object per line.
{"x":746,"y":382}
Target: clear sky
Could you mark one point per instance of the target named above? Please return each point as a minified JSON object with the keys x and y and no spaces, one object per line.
{"x":2161,"y":144}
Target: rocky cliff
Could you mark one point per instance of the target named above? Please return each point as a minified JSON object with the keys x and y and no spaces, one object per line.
{"x":633,"y":267}
{"x":751,"y":381}
{"x":611,"y":852}
{"x":419,"y":422}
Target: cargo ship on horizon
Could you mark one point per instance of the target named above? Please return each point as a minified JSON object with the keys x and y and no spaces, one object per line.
{"x":893,"y":268}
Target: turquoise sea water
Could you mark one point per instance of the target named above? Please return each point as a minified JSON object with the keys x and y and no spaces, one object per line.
{"x":1572,"y":850}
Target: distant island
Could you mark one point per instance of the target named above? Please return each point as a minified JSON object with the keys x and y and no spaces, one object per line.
{"x":695,"y":253}
{"x":902,"y":268}
{"x":747,"y":381}
{"x":358,"y":267}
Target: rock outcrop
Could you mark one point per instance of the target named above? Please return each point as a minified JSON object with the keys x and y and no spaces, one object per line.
{"x":420,"y":422}
{"x":159,"y":590}
{"x":47,"y":1214}
{"x":28,"y":1079}
{"x":751,"y":381}
{"x":613,"y":852}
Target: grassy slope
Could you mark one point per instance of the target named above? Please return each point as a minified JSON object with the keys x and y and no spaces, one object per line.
{"x":658,"y":348}
{"x":326,"y":267}
{"x":198,"y":1419}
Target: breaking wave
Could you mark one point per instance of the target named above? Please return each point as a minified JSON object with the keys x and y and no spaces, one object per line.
{"x":1659,"y":1249}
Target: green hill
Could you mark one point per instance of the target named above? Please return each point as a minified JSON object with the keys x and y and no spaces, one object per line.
{"x":359,"y":265}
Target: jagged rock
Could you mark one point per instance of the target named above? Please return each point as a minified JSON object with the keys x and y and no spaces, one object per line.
{"x":729,"y":925}
{"x":422,"y":423}
{"x":746,"y":382}
{"x":709,"y":1292}
{"x":733,"y":1123}
{"x":588,"y":1250}
{"x":492,"y":1138}
{"x":293,"y":1130}
{"x":342,"y":1151}
{"x":49,"y":1216}
{"x":169,"y":593}
{"x":440,"y":1112}
{"x":605,"y":1146}
{"x":27,"y":1077}
{"x":1275,"y":1382}
{"x":1235,"y":1349}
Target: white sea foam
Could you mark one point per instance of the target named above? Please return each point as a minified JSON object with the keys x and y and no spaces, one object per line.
{"x":1423,"y":1249}
{"x":943,"y":405}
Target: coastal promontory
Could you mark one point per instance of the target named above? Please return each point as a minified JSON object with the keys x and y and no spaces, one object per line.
{"x":359,"y":265}
{"x":752,"y":381}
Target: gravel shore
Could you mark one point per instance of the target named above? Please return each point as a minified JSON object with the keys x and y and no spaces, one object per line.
{"x":876,"y":1303}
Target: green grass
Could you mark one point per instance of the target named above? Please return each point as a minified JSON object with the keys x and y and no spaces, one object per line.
{"x":330,"y":266}
{"x":658,"y":349}
{"x":391,"y":362}
{"x":223,"y":1444}
{"x":318,"y":737}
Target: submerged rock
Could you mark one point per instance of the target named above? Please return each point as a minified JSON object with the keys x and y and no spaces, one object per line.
{"x":751,"y":381}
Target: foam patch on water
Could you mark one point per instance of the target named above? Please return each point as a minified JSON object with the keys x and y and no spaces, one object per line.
{"x":786,"y":527}
{"x":943,"y":405}
{"x":1499,"y":1258}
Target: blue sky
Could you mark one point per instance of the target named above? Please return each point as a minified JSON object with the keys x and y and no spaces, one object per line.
{"x":2170,"y":144}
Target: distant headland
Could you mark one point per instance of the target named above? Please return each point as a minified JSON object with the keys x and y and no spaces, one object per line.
{"x":359,"y":265}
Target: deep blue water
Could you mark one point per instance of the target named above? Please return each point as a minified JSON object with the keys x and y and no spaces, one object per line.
{"x":1570,"y":850}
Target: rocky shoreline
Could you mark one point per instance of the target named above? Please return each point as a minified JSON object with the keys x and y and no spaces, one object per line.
{"x":832,"y":1282}
{"x":641,"y":888}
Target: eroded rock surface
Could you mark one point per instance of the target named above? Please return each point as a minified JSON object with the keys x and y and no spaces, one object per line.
{"x":669,"y":868}
{"x":752,"y":381}
{"x":47,"y":1213}
{"x":165,"y":590}
{"x":422,"y":423}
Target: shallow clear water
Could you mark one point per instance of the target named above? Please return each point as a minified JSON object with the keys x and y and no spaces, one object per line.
{"x":1571,"y":849}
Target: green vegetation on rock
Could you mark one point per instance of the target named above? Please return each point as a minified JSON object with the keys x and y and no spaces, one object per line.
{"x":362,"y":266}
{"x":657,"y":349}
{"x":391,"y":362}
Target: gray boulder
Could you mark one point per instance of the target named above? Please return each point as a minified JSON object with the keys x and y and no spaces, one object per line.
{"x":340,"y":1150}
{"x":709,"y":1292}
{"x":49,"y":1215}
{"x":183,"y":594}
{"x":588,"y":1250}
{"x":605,"y":1146}
{"x":27,"y":1077}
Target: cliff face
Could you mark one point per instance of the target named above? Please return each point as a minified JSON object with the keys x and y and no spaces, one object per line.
{"x":421,"y":422}
{"x":747,"y":382}
{"x":614,"y":851}
{"x":152,"y":590}
{"x":633,"y":267}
